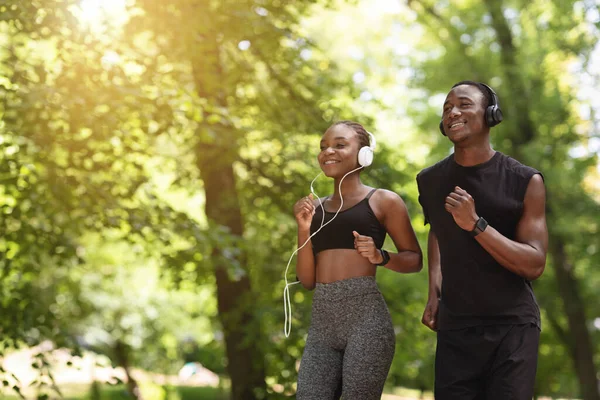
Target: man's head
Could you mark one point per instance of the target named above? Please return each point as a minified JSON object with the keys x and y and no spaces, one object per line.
{"x":487,"y":94}
{"x":471,"y":108}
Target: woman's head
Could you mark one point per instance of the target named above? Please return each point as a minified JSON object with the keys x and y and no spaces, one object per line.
{"x":340,"y":145}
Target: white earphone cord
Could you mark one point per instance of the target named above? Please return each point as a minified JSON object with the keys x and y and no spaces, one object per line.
{"x":287,"y":305}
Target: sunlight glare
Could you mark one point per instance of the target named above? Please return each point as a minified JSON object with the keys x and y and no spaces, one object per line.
{"x":97,"y":13}
{"x":110,"y":58}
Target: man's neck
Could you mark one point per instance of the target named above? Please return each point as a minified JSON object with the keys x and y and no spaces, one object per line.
{"x":469,"y":156}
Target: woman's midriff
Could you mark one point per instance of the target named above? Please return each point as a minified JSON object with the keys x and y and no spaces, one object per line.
{"x":338,"y":264}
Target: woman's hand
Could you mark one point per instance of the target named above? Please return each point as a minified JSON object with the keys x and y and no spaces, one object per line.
{"x":366,"y":248}
{"x":304,"y":209}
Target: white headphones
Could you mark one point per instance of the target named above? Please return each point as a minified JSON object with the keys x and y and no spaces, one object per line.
{"x":365,"y":154}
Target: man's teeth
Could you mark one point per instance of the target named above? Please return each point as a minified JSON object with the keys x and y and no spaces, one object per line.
{"x":456,"y":124}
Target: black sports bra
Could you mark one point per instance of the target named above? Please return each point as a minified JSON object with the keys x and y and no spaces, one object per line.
{"x":338,"y":233}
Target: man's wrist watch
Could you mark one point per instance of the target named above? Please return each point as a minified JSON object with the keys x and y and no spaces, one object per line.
{"x":386,"y":257}
{"x":480,"y":226}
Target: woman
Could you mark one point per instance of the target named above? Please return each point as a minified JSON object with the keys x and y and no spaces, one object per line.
{"x":350,"y":344}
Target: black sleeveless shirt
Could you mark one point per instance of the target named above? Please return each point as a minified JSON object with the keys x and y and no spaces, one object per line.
{"x":476,"y":289}
{"x":338,"y":233}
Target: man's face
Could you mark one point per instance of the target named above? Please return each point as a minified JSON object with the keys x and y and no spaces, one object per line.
{"x":463,"y":113}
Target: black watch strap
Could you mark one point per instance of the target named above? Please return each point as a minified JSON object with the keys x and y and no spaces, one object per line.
{"x":480,"y":226}
{"x":386,"y":257}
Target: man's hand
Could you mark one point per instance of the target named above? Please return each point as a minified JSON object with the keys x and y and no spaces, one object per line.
{"x":431,"y":312}
{"x":461,"y":205}
{"x":366,"y":248}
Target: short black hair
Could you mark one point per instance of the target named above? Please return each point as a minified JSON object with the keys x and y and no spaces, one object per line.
{"x":487,"y":95}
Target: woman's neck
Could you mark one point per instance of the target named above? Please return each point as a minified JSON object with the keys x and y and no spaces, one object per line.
{"x":351,"y":184}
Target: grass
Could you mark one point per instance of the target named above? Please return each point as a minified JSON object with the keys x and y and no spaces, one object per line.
{"x":151,"y":392}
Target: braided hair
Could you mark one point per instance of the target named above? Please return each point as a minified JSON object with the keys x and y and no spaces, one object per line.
{"x":363,"y":136}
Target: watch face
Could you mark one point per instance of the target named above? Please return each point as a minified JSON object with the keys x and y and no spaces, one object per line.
{"x":481,"y":224}
{"x":386,"y":257}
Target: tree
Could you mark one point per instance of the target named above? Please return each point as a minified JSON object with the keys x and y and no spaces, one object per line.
{"x":71,"y":124}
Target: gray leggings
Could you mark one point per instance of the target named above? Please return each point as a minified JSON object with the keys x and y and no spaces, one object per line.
{"x":350,"y":344}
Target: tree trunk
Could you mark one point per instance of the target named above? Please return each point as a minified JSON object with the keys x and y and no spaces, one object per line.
{"x":95,"y":393}
{"x":579,"y":341}
{"x":122,"y":356}
{"x":245,"y":363}
{"x":215,"y":161}
{"x":519,"y":109}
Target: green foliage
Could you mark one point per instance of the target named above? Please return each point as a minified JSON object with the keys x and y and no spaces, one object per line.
{"x":106,"y":124}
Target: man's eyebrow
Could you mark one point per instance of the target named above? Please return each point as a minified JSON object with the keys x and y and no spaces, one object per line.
{"x":460,"y":98}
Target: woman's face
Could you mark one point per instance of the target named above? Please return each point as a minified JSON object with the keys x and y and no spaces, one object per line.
{"x":339,"y":151}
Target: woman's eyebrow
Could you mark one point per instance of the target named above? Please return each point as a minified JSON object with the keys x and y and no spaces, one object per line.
{"x":336,"y":138}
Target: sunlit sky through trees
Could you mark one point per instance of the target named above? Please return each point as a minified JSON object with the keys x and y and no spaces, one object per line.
{"x":361,"y":35}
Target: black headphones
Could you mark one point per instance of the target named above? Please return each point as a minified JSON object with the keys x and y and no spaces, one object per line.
{"x":493,"y":113}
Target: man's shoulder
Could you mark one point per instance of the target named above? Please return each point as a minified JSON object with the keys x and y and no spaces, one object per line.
{"x":435,"y":169}
{"x":518,"y":168}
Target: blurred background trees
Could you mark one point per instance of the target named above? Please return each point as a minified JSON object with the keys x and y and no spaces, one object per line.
{"x":151,"y":152}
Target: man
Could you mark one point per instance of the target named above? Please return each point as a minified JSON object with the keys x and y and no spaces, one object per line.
{"x":487,"y":242}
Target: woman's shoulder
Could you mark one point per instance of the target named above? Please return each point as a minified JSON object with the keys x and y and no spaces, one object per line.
{"x":386,"y":198}
{"x":319,"y":200}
